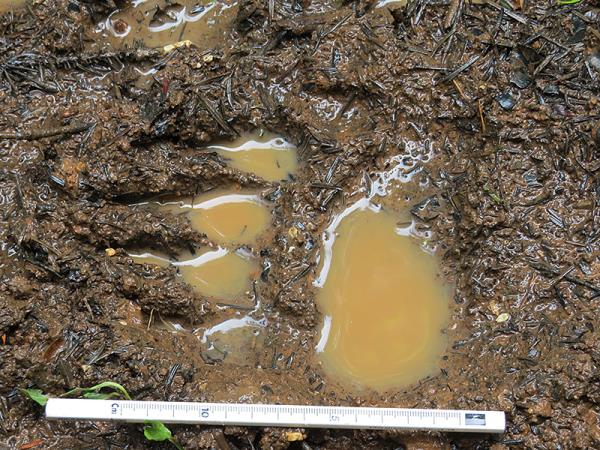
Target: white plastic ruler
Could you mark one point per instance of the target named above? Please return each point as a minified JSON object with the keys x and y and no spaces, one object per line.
{"x":277,"y":415}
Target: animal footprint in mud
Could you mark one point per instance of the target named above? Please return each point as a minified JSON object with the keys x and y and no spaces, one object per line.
{"x":231,"y":219}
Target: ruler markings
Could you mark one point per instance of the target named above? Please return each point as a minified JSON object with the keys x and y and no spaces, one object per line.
{"x":277,"y":415}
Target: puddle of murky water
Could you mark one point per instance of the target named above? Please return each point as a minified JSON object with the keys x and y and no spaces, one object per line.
{"x":158,"y":23}
{"x":384,"y":306}
{"x":264,"y":154}
{"x":226,"y":278}
{"x":219,"y":275}
{"x":11,"y":5}
{"x":234,"y":339}
{"x":225,"y":217}
{"x":229,"y":219}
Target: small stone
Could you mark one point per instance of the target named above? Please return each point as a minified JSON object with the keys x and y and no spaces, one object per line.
{"x":502,"y":317}
{"x":293,"y":436}
{"x":293,"y":232}
{"x":505,"y":401}
{"x":129,"y":284}
{"x":520,"y":79}
{"x":120,"y":26}
{"x":594,"y":60}
{"x":110,"y":252}
{"x":208,"y":58}
{"x":171,"y":47}
{"x":506,"y":101}
{"x":551,"y":89}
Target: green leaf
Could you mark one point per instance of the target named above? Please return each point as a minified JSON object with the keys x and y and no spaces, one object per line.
{"x":495,"y":197}
{"x":36,"y":395}
{"x":120,"y":390}
{"x":157,"y":431}
{"x":110,"y":385}
{"x":101,"y":395}
{"x":568,"y":2}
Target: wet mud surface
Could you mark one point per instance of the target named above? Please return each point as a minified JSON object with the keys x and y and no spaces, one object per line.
{"x":505,"y":102}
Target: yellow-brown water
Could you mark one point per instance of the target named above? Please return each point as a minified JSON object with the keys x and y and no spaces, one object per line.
{"x":384,"y":306}
{"x":220,"y":275}
{"x":11,"y":5}
{"x":264,"y":154}
{"x":225,"y":217}
{"x":228,"y":218}
{"x":158,"y":23}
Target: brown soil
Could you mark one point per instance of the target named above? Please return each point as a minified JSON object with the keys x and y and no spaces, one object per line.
{"x":508,"y":101}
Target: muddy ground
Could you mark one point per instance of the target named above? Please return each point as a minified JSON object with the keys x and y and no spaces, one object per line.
{"x":507,"y":100}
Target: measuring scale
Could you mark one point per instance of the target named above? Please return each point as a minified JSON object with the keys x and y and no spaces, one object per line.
{"x":277,"y":415}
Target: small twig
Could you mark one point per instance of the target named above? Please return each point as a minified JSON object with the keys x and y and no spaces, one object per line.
{"x":480,"y":108}
{"x":458,"y":88}
{"x":292,"y":280}
{"x":519,"y":18}
{"x":337,"y":25}
{"x":216,"y":115}
{"x":543,"y":267}
{"x":434,"y":68}
{"x":561,"y":277}
{"x":452,"y":75}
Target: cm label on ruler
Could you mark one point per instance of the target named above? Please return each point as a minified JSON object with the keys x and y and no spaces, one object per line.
{"x":277,"y":415}
{"x":116,"y":411}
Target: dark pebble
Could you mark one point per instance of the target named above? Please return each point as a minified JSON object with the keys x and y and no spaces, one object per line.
{"x":506,"y":101}
{"x":520,"y":79}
